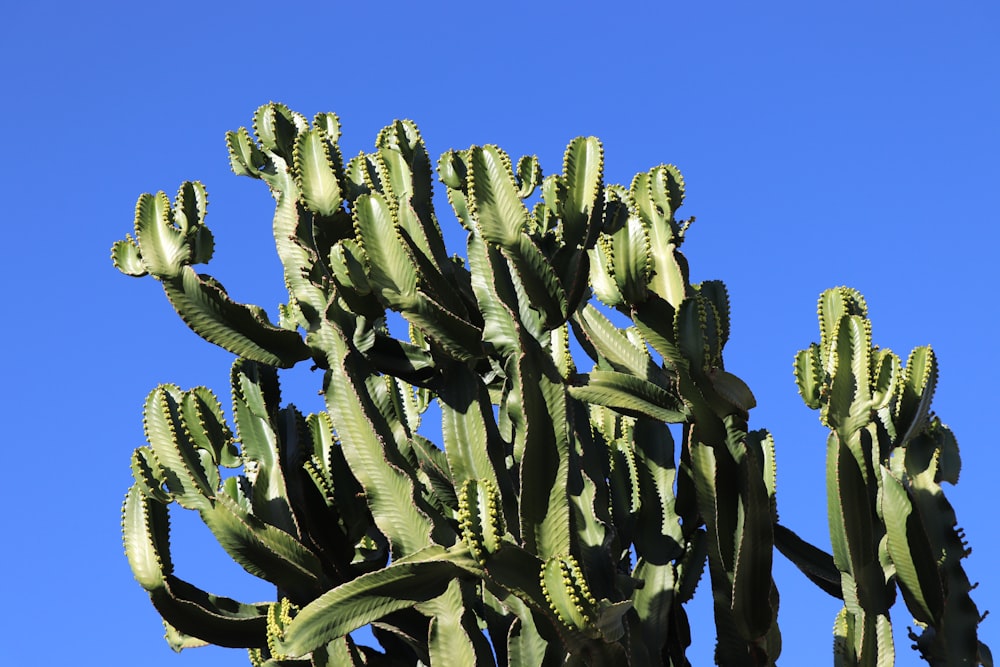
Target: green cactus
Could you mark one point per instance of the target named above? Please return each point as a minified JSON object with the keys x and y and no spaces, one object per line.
{"x":555,"y":522}
{"x":890,"y":523}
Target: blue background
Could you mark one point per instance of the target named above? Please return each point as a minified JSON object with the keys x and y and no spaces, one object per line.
{"x":822,"y":143}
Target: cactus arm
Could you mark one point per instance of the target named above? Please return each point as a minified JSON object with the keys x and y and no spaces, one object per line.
{"x":211,"y":618}
{"x":654,"y":604}
{"x":454,"y":636}
{"x":544,"y":465}
{"x":295,"y":243}
{"x":632,"y":263}
{"x":752,"y":584}
{"x":390,"y":266}
{"x":370,"y":448}
{"x":911,"y":553}
{"x":167,"y":241}
{"x":812,"y":561}
{"x":266,"y":444}
{"x":181,"y":467}
{"x":622,"y":353}
{"x":539,"y":280}
{"x":207,"y":427}
{"x":499,"y":213}
{"x":931,"y":457}
{"x":625,"y":493}
{"x":148,"y":474}
{"x":602,"y":272}
{"x":472,"y":442}
{"x":495,"y":295}
{"x":263,"y":550}
{"x":316,"y":163}
{"x":597,"y":543}
{"x":126,"y":257}
{"x":525,"y":646}
{"x":659,"y":538}
{"x":244,"y":330}
{"x":808,"y":375}
{"x":528,"y":175}
{"x":192,"y":480}
{"x":849,"y":366}
{"x":453,"y":172}
{"x":501,"y":219}
{"x":917,"y":390}
{"x":582,"y":204}
{"x":393,"y":269}
{"x":222,"y":621}
{"x":629,"y":395}
{"x":276,"y":127}
{"x":333,"y":478}
{"x":745,"y":602}
{"x":654,"y":320}
{"x":405,"y":156}
{"x":578,"y":196}
{"x":169,"y":238}
{"x":422,"y":576}
{"x":657,"y":194}
{"x":853,"y":533}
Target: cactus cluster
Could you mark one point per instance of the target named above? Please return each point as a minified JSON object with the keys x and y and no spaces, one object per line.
{"x":555,"y":522}
{"x":890,"y":524}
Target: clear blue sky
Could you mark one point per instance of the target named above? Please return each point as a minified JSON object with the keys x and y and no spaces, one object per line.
{"x":823,"y":144}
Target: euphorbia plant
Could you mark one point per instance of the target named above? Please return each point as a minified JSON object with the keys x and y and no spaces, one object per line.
{"x":555,"y":520}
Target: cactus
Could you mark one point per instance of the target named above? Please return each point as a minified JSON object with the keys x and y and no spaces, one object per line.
{"x":890,"y":524}
{"x":556,"y":521}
